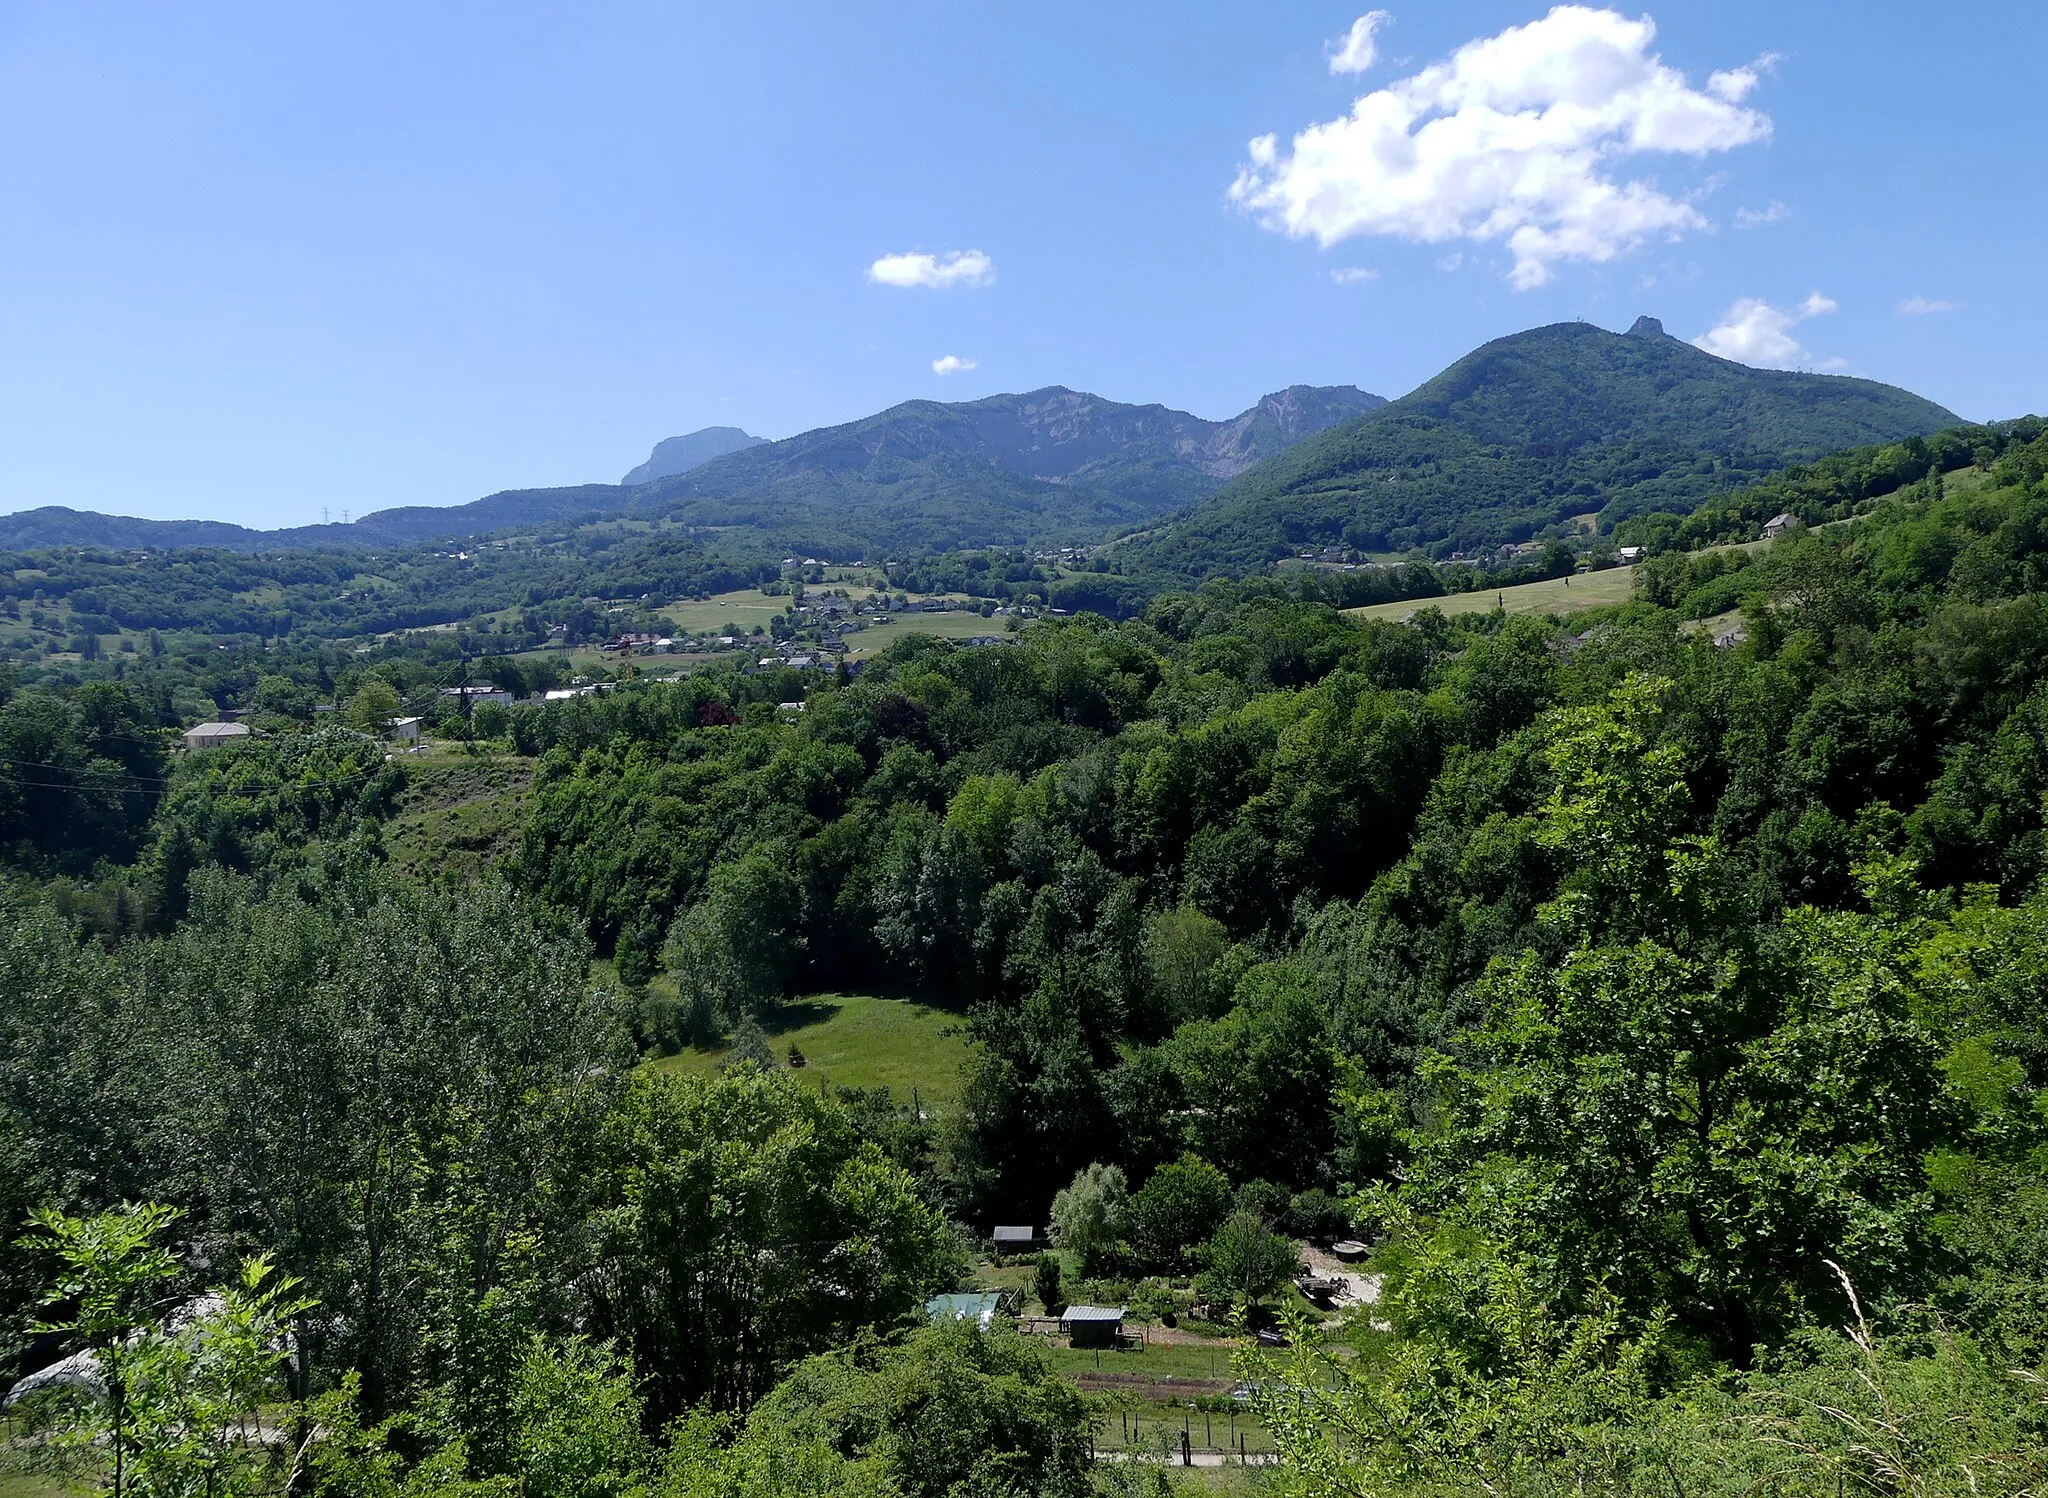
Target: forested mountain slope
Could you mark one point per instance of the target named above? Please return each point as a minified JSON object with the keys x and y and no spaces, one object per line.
{"x":927,"y":476}
{"x":1528,"y":431}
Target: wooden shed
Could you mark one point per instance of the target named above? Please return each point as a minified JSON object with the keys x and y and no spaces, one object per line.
{"x":1014,"y":1240}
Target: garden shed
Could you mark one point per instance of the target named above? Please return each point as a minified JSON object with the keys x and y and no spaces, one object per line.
{"x":1014,"y":1240}
{"x":1092,"y":1326}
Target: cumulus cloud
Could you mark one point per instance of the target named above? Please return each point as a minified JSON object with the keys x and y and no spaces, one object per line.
{"x":1736,"y":84}
{"x":960,"y":268}
{"x":1752,"y":331}
{"x":952,"y":364}
{"x":1356,"y":51}
{"x":1351,"y":275}
{"x":1756,"y":218}
{"x":1921,"y":306}
{"x":1515,"y":139}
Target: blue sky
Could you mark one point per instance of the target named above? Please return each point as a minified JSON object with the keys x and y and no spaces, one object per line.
{"x":257,"y":260}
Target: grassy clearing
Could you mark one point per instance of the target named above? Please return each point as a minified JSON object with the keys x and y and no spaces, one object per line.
{"x":1557,"y":595}
{"x":857,"y":1040}
{"x":460,"y":814}
{"x":1711,"y":625}
{"x":15,"y":1483}
{"x":958,"y":625}
{"x":745,"y":607}
{"x":1206,"y":1360}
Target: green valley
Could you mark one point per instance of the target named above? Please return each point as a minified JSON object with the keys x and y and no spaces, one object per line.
{"x":1597,"y":994}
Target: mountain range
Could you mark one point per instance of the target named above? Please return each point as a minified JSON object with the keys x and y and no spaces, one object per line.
{"x":1054,"y":463}
{"x":1535,"y":429}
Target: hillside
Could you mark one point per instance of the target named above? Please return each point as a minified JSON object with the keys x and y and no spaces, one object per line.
{"x":512,"y":509}
{"x":1526,"y":432}
{"x":58,"y":525}
{"x":1052,"y":463}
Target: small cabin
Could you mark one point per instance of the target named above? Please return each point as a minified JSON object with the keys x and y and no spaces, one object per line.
{"x":1092,"y":1326}
{"x":1779,"y":525}
{"x":1014,"y":1240}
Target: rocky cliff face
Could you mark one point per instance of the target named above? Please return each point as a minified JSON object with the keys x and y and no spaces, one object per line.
{"x":674,"y":455}
{"x":1279,"y":421}
{"x":1056,"y":433}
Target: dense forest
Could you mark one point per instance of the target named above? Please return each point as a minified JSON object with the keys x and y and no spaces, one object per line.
{"x":1657,"y":992}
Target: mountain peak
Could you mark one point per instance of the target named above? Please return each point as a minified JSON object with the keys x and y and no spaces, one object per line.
{"x":674,"y":455}
{"x":1526,"y":432}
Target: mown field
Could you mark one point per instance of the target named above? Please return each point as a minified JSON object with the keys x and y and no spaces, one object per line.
{"x":958,"y":625}
{"x":1558,"y":595}
{"x":743,"y":607}
{"x":857,"y":1040}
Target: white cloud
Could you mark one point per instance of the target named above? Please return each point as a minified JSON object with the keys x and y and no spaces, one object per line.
{"x":960,"y":268}
{"x":1752,"y":331}
{"x":1921,"y":306}
{"x":1357,"y":51}
{"x":1756,"y":218}
{"x":1514,"y":139}
{"x":1351,"y":275}
{"x":952,"y":364}
{"x":1736,"y":84}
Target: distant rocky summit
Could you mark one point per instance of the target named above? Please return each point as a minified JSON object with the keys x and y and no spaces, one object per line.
{"x":674,"y":455}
